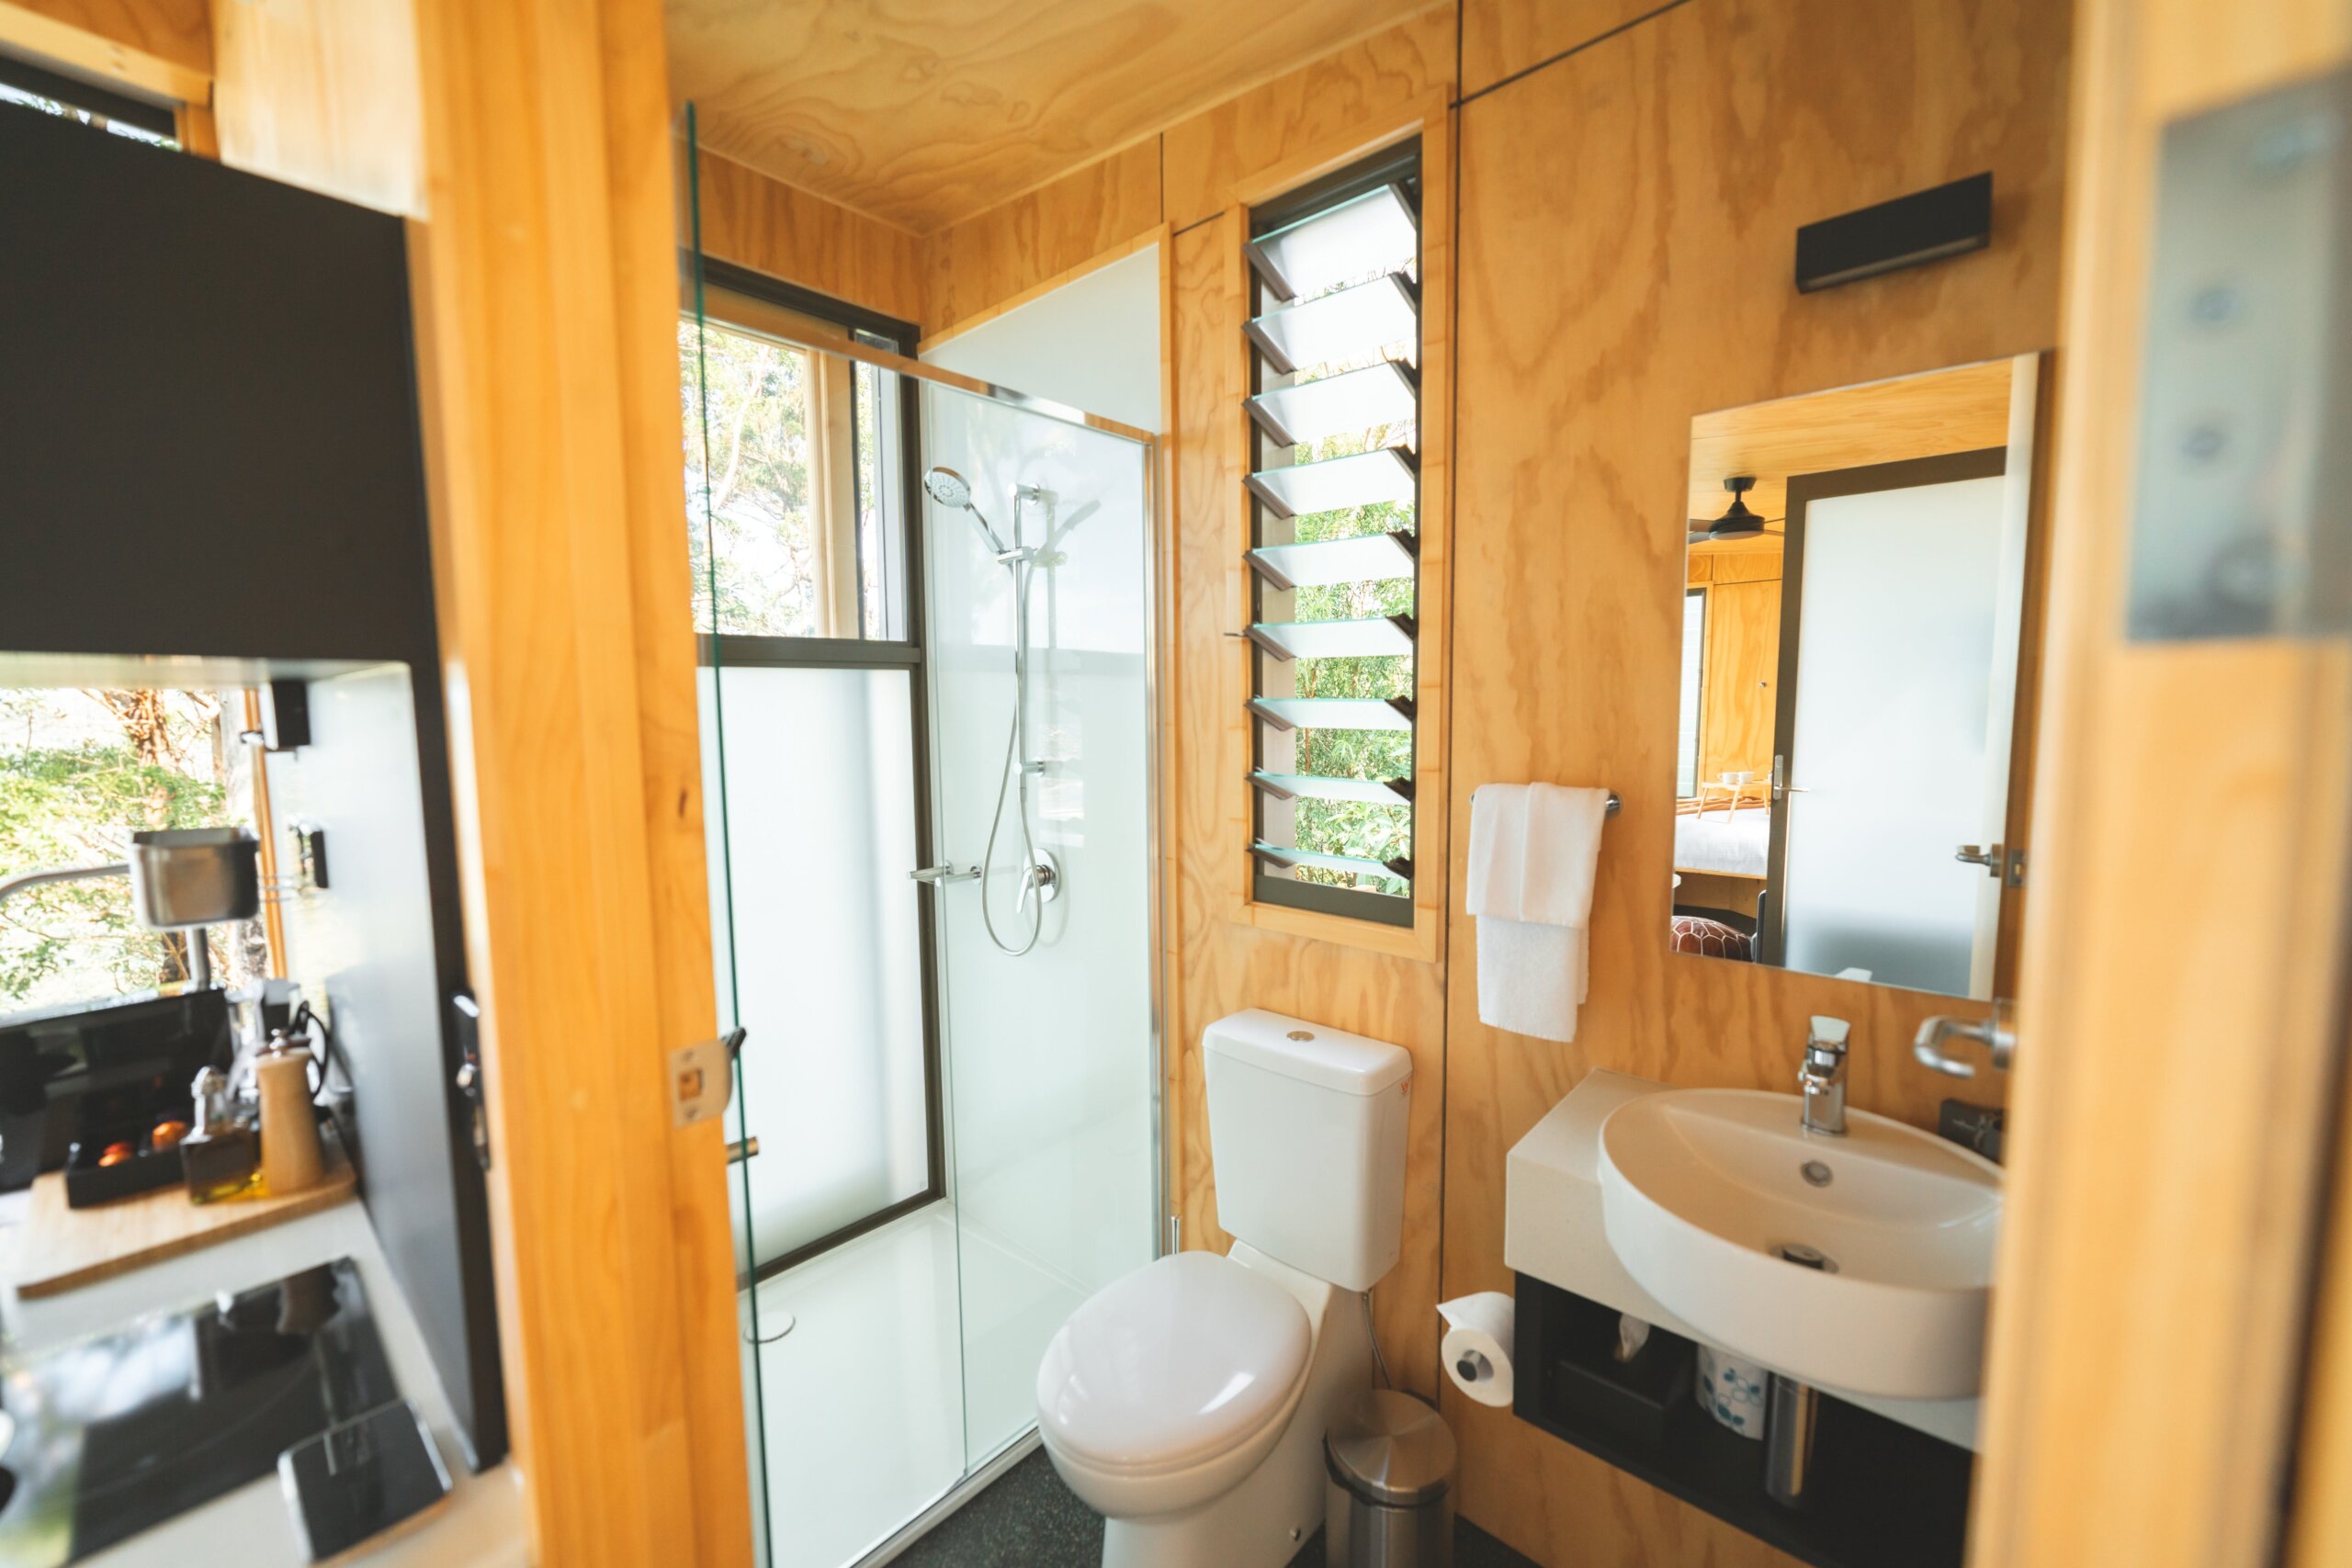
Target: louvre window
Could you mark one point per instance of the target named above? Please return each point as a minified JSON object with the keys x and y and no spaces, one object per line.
{"x":1334,"y":345}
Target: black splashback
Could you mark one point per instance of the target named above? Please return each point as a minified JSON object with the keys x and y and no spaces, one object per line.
{"x":210,"y":388}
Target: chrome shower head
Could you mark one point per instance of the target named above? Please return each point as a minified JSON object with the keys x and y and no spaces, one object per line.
{"x":951,"y":488}
{"x":947,"y":487}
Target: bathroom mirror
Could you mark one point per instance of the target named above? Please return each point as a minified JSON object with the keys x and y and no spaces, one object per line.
{"x":1859,"y":606}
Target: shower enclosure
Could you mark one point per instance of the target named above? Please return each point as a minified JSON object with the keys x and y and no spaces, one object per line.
{"x":924,"y":611}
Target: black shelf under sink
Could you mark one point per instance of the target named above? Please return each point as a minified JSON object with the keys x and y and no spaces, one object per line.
{"x":1882,"y":1494}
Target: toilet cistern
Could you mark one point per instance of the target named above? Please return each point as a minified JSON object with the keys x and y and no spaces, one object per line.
{"x":1821,"y":1076}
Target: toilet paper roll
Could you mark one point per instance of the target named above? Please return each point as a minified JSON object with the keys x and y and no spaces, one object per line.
{"x":1476,"y":1349}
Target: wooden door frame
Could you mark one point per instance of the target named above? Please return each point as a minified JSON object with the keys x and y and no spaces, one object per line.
{"x":545,"y":290}
{"x":2181,"y":1026}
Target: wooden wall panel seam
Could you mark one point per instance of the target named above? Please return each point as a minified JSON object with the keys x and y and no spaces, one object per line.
{"x":1559,"y":52}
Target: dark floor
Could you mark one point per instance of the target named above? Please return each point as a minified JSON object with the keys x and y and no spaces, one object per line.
{"x":1027,"y":1518}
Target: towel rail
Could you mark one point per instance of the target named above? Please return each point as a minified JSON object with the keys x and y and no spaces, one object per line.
{"x":1610,"y":810}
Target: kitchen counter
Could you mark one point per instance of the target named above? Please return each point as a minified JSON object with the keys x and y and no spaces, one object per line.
{"x":482,"y":1520}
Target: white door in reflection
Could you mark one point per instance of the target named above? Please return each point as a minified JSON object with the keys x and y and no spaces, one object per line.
{"x":1887,"y":750}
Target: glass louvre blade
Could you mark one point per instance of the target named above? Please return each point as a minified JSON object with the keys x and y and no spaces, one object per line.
{"x":1368,"y":557}
{"x":1354,"y":323}
{"x":1307,"y":786}
{"x":1361,"y":399}
{"x":1334,"y":712}
{"x":1276,"y":855}
{"x":1367,"y":479}
{"x":1308,"y":256}
{"x":1371,"y":638}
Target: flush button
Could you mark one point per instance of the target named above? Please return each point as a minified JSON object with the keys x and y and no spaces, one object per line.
{"x":1300,"y":1034}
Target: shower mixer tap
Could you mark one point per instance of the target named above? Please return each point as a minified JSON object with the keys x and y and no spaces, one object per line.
{"x":1042,"y":880}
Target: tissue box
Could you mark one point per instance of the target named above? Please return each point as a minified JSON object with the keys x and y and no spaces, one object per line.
{"x":1630,"y":1400}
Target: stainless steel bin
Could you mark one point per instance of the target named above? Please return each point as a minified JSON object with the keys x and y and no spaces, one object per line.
{"x":1389,"y":1464}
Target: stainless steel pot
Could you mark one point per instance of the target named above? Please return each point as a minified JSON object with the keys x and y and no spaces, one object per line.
{"x":182,"y":878}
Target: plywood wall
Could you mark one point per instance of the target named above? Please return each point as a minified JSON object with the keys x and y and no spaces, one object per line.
{"x":976,"y":267}
{"x":1628,"y":215}
{"x":1187,"y":174}
{"x":770,"y":226}
{"x":1502,"y":39}
{"x":1321,"y":107}
{"x":1218,"y":962}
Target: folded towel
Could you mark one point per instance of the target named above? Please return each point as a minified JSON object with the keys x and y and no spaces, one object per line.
{"x":1533,"y":848}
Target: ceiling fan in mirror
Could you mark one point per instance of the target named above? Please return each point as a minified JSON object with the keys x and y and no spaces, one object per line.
{"x":1737,"y":522}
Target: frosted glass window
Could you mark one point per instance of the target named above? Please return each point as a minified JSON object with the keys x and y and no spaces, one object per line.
{"x":1686,"y":736}
{"x":1888,"y":753}
{"x":823,"y":963}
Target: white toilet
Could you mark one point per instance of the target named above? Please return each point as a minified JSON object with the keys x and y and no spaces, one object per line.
{"x":1186,"y":1402}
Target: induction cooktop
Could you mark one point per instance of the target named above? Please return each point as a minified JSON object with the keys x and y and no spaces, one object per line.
{"x":115,"y":1434}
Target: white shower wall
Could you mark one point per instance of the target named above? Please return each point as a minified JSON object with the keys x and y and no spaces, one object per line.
{"x":1049,"y":1058}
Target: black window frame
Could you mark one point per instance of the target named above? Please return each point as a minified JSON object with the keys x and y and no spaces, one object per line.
{"x":910,"y":653}
{"x":1398,"y":164}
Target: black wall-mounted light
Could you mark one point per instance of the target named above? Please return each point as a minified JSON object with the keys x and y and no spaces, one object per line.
{"x":1924,"y":226}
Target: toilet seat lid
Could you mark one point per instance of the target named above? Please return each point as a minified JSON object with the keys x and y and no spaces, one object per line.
{"x":1173,"y":1365}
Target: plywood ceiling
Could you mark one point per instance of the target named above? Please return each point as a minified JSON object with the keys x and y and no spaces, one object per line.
{"x":926,"y":111}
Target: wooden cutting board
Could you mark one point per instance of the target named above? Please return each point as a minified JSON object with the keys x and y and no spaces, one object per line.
{"x":56,"y":1248}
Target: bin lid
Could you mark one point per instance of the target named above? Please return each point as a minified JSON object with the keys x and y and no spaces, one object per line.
{"x":1390,"y":1449}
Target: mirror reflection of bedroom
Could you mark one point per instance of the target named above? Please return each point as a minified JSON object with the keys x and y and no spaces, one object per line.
{"x":1850,"y":783}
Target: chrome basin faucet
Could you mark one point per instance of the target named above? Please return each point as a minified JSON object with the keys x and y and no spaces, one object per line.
{"x":1821,"y":1076}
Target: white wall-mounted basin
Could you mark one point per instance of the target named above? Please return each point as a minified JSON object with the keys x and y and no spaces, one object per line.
{"x":1704,"y":1190}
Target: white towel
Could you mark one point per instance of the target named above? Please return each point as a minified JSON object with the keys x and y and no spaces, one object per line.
{"x":1533,"y":848}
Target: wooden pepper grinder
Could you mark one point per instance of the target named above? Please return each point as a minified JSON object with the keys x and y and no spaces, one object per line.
{"x":292,"y":1158}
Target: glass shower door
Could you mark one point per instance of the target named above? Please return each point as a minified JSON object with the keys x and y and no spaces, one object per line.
{"x":956,"y":1129}
{"x":1048,"y":1005}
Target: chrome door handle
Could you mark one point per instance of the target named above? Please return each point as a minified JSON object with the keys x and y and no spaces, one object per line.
{"x":1992,"y":858}
{"x":946,"y":873}
{"x":2000,"y":1042}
